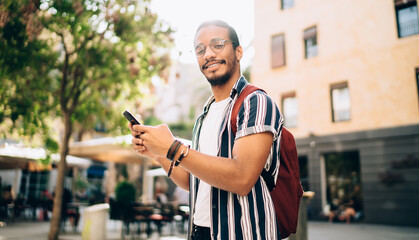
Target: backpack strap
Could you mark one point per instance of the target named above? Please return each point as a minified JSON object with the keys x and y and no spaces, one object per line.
{"x":269,"y":179}
{"x":236,"y":108}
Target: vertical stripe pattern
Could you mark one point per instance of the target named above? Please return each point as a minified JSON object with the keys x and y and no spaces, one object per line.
{"x":253,"y":216}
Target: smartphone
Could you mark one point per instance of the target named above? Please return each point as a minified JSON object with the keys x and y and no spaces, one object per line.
{"x":131,"y":118}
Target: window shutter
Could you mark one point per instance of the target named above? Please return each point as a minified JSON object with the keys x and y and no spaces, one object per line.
{"x":278,"y":51}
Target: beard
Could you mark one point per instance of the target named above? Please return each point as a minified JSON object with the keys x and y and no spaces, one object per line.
{"x":219,"y":80}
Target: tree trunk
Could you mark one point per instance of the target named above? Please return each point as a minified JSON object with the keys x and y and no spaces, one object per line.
{"x":59,"y":188}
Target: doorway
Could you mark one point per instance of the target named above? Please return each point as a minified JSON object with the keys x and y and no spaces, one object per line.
{"x":342,"y":180}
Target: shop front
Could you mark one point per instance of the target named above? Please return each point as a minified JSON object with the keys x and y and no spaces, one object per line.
{"x":376,"y":172}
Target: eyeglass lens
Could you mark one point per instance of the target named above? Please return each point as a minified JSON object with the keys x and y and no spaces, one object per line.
{"x":216,"y":45}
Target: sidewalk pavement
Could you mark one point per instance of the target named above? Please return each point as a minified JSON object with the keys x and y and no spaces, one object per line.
{"x":38,"y":230}
{"x":316,"y":231}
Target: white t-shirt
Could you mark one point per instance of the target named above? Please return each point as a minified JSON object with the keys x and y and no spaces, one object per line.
{"x":208,"y":144}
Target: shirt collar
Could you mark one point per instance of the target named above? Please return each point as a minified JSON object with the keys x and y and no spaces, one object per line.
{"x":238,"y":87}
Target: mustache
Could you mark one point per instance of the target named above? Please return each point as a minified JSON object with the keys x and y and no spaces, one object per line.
{"x":212,"y":61}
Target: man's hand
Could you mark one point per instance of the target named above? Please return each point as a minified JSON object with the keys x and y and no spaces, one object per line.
{"x":154,"y":142}
{"x":151,"y":141}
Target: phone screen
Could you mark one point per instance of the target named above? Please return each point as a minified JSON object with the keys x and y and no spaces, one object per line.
{"x":131,"y":118}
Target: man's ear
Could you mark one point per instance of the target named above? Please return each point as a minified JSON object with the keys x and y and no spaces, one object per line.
{"x":239,"y":53}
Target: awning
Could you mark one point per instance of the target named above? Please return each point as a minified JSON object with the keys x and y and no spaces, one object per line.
{"x":109,"y":149}
{"x":96,"y":171}
{"x":10,"y":162}
{"x":14,"y":156}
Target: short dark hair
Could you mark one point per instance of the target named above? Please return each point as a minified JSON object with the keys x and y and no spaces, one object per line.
{"x":219,"y":23}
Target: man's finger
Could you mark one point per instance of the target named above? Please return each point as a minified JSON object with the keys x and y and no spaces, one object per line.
{"x":141,"y":128}
{"x":135,"y":141}
{"x":134,"y":134}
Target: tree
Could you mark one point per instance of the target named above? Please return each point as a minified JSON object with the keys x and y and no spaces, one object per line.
{"x":24,"y":61}
{"x":82,"y":61}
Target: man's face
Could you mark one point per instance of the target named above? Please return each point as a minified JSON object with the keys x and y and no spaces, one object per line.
{"x":217,"y":67}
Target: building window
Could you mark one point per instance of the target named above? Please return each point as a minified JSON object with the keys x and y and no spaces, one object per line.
{"x":407,"y":17}
{"x":341,"y":102}
{"x":278,"y":50}
{"x":290,"y":109}
{"x":285,"y":4}
{"x":310,"y":42}
{"x":33,"y":183}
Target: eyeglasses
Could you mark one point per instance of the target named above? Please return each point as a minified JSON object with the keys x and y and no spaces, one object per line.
{"x":216,"y":45}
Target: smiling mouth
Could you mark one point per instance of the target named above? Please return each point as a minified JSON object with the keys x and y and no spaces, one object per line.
{"x":212,"y":64}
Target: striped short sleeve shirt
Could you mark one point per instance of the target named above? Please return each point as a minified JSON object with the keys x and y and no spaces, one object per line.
{"x":253,"y":216}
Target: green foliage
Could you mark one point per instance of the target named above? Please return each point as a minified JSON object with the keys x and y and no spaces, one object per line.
{"x":152,"y":121}
{"x":247,"y":74}
{"x":45,"y":161}
{"x":84,"y":59}
{"x":182,"y":129}
{"x":24,"y":69}
{"x":125,"y":192}
{"x":80,"y":184}
{"x":51,"y":145}
{"x":191,"y":115}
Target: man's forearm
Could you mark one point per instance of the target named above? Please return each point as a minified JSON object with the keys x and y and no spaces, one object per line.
{"x":179,"y":175}
{"x":237,"y":174}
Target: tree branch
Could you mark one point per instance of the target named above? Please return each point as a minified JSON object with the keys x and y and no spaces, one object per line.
{"x":83,"y":44}
{"x":64,"y":80}
{"x":64,"y":83}
{"x":76,"y":89}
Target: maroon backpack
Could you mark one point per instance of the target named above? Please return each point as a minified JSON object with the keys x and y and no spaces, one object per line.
{"x":287,"y":192}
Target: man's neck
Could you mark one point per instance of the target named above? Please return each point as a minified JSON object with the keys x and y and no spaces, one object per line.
{"x":222,"y":92}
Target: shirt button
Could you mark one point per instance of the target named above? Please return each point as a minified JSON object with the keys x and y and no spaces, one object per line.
{"x":213,"y":206}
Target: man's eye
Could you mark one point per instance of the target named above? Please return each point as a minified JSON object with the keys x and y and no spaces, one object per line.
{"x":218,"y":46}
{"x":200,"y":52}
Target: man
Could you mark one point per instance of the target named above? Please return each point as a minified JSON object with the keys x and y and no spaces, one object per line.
{"x":228,"y":197}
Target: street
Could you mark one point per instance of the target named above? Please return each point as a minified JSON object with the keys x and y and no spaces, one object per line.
{"x":316,"y":231}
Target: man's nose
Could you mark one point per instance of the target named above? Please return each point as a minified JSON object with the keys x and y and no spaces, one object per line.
{"x":209,"y":53}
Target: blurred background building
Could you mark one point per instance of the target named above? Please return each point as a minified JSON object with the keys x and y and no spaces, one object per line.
{"x":345,"y":74}
{"x":346,"y":77}
{"x":182,"y":97}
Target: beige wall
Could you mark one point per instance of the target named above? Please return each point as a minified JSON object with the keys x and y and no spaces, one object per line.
{"x":357,"y":42}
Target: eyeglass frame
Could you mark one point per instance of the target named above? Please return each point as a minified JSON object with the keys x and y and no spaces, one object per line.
{"x":212,"y":49}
